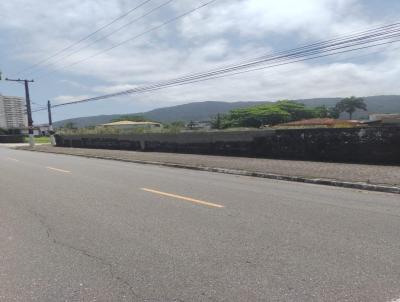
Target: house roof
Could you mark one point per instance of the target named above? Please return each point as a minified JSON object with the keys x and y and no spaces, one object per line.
{"x":319,"y":121}
{"x":119,"y":123}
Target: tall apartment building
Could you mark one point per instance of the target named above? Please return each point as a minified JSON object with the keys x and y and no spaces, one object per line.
{"x":12,"y":112}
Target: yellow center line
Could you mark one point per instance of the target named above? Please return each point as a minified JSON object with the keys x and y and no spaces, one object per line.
{"x":205,"y":203}
{"x":12,"y":159}
{"x":58,"y":170}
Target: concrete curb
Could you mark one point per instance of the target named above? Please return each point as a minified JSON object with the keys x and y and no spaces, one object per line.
{"x":316,"y":181}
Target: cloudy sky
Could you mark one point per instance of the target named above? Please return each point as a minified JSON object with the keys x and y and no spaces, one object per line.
{"x":225,"y":31}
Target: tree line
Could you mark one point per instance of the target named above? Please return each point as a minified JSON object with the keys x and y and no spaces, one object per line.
{"x":261,"y":115}
{"x":284,"y":111}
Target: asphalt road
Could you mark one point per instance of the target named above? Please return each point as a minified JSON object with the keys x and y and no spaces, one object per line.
{"x":78,"y":229}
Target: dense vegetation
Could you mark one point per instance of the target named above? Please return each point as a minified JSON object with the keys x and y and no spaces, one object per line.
{"x":267,"y":114}
{"x":203,"y":111}
{"x":271,"y":114}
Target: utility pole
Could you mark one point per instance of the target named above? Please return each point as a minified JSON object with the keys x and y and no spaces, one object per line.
{"x":218,"y":122}
{"x":28,"y":108}
{"x":52,"y":140}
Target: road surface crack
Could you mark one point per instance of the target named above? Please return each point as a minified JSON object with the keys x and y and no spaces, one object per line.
{"x":50,"y":235}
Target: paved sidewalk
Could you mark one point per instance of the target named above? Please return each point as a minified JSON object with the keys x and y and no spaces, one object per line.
{"x":369,"y":174}
{"x":15,"y":145}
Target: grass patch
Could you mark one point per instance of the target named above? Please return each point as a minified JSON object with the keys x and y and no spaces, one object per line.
{"x":39,"y":139}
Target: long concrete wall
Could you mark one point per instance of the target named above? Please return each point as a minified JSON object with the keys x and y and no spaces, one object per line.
{"x":10,"y":139}
{"x":369,"y":145}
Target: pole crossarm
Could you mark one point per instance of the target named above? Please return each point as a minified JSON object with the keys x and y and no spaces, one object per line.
{"x":19,"y":80}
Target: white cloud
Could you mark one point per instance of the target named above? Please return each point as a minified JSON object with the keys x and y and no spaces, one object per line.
{"x":224,"y":32}
{"x":258,"y":18}
{"x":69,"y":98}
{"x":287,"y":82}
{"x":113,"y":89}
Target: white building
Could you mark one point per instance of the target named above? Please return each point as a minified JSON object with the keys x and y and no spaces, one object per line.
{"x":12,"y":112}
{"x":385,"y":119}
{"x":129,"y":125}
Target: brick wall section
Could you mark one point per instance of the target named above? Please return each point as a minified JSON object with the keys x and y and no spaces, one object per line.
{"x":369,"y":145}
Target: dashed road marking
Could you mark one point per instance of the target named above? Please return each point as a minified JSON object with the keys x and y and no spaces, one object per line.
{"x":58,"y":170}
{"x":204,"y":203}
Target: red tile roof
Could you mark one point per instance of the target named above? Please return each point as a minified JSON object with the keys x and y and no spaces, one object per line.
{"x":320,"y":122}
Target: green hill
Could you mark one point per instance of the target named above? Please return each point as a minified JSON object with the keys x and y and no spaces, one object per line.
{"x":200,"y":111}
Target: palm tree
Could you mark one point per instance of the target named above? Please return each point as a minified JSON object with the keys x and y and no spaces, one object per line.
{"x":350,"y":105}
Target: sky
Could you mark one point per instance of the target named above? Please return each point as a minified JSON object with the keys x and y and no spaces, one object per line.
{"x":226,"y":31}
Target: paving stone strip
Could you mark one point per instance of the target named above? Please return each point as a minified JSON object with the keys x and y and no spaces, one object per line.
{"x":358,"y":176}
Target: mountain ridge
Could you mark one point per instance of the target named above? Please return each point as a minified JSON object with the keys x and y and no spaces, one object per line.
{"x":198,"y":111}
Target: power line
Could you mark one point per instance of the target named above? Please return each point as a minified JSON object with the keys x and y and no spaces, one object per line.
{"x":133,"y":38}
{"x":172,"y":84}
{"x":372,"y":38}
{"x":150,"y":89}
{"x":109,"y":34}
{"x":320,"y":43}
{"x":84,"y":38}
{"x":278,"y":56}
{"x":236,"y":73}
{"x":264,"y":67}
{"x":34,"y":103}
{"x":305,"y":47}
{"x":243,"y":66}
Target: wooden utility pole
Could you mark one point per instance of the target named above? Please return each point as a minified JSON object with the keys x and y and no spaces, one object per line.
{"x":51,"y":131}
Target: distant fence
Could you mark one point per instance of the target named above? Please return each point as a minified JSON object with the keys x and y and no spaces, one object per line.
{"x":10,"y":139}
{"x":369,"y":145}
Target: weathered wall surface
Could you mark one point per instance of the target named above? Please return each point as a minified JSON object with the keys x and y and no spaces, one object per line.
{"x":370,"y":145}
{"x":11,"y":139}
{"x":224,"y":143}
{"x":373,"y":145}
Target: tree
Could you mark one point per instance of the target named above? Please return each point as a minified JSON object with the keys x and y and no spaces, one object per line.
{"x":321,"y":111}
{"x":191,"y":125}
{"x":178,"y":124}
{"x":257,"y":116}
{"x":175,"y":127}
{"x":268,"y":114}
{"x":350,"y":105}
{"x":297,"y":111}
{"x":69,"y":125}
{"x":333,"y":112}
{"x":272,"y":114}
{"x":216,"y":122}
